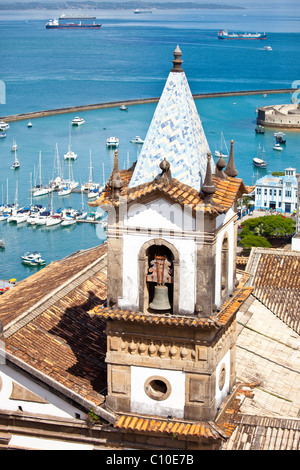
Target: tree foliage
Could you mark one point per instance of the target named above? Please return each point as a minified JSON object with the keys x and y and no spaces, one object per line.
{"x":260,"y":230}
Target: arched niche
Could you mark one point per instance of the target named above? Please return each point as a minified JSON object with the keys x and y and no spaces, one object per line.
{"x":224,"y":266}
{"x":147,"y":253}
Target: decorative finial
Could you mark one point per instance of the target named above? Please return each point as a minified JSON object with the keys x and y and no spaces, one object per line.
{"x":177,"y":61}
{"x":116,"y":183}
{"x":165,"y":177}
{"x":231,"y":169}
{"x":208,"y":189}
{"x":220,"y":165}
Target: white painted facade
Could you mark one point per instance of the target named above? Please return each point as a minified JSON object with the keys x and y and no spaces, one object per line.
{"x":229,"y":232}
{"x":132,"y":243}
{"x":55,"y":406}
{"x":221,"y":394}
{"x":159,"y":214}
{"x":142,"y":403}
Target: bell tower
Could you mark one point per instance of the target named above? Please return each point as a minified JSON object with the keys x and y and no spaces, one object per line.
{"x":171,"y":242}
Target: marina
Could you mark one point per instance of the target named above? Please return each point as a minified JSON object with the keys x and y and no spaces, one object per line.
{"x":42,"y":104}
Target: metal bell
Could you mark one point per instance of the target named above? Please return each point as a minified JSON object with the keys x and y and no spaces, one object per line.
{"x":161,"y":298}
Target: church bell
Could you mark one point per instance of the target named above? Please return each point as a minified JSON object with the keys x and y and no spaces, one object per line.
{"x":161,"y":298}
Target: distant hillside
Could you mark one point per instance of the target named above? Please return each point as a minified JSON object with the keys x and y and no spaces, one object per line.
{"x":69,"y":5}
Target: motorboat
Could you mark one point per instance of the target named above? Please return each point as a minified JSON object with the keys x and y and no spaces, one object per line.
{"x":260,"y":129}
{"x":33,"y":259}
{"x":42,"y":218}
{"x":277,"y":146}
{"x":2,"y":244}
{"x":14,"y":146}
{"x":77,"y":121}
{"x":268,"y":48}
{"x":3,"y":126}
{"x":112,"y":142}
{"x":70,"y":155}
{"x":280,"y":137}
{"x":93,"y":216}
{"x":137,"y":140}
{"x":2,"y":135}
{"x":123,"y":107}
{"x":29,"y":124}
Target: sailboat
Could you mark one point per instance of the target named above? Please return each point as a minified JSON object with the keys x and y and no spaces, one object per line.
{"x":16,"y":163}
{"x":14,"y":146}
{"x":40,"y":190}
{"x":89,"y":184}
{"x":259,"y":161}
{"x":70,"y":155}
{"x":219,"y":153}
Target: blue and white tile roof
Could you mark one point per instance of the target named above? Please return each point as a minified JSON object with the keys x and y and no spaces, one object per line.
{"x":176,"y":134}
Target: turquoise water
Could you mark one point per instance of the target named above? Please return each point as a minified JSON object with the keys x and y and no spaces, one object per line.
{"x":129,"y":58}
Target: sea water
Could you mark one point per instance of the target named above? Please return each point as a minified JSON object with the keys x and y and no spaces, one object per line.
{"x":130,"y":58}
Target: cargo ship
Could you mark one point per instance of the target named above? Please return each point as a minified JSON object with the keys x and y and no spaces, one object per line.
{"x":224,"y":34}
{"x":73,"y":22}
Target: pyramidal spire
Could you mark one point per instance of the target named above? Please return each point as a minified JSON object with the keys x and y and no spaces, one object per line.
{"x":208,"y":188}
{"x":175,"y":134}
{"x":116,"y":183}
{"x":231,"y":169}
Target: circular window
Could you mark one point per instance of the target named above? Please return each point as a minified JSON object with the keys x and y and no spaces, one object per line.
{"x":222,"y":376}
{"x":157,"y":388}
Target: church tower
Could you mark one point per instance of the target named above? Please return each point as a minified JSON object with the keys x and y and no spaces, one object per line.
{"x":171,"y":240}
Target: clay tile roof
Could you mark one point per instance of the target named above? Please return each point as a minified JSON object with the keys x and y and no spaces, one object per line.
{"x":227,"y":192}
{"x":206,"y":430}
{"x":50,"y":329}
{"x":276,"y":282}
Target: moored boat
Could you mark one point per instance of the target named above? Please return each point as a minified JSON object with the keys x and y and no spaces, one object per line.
{"x":137,"y":140}
{"x":77,"y":121}
{"x":224,"y":34}
{"x":73,"y":22}
{"x":260,"y":161}
{"x":112,"y":142}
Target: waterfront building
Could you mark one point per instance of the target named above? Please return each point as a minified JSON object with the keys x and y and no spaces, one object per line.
{"x":277,"y":193}
{"x":154,"y":340}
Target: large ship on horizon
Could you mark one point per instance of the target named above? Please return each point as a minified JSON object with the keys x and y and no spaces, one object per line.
{"x":224,"y":34}
{"x":73,"y":22}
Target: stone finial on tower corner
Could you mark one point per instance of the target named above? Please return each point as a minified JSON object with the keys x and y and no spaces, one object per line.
{"x":208,"y":189}
{"x":231,"y":169}
{"x":177,"y":61}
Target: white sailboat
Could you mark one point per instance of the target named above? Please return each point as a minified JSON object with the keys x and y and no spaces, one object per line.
{"x":70,"y":155}
{"x":40,"y":190}
{"x":220,"y":153}
{"x":16,"y":163}
{"x":89,"y":184}
{"x":14,"y":146}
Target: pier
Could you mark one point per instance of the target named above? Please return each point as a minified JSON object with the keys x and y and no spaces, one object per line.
{"x":114,"y":104}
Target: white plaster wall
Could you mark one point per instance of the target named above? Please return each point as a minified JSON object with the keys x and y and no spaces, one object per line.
{"x":141,"y":403}
{"x":56,"y":406}
{"x":223,"y":218}
{"x":132,"y":244}
{"x":229,"y":229}
{"x":159,"y":214}
{"x":296,"y":243}
{"x":36,"y":443}
{"x":221,"y":394}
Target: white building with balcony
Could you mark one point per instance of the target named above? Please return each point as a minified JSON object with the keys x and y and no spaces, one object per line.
{"x":277,"y":193}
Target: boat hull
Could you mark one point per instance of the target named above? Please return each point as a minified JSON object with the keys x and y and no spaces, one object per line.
{"x":73,"y":26}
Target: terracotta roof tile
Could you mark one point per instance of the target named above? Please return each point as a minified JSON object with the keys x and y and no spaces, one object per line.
{"x":227,"y":191}
{"x":170,"y":427}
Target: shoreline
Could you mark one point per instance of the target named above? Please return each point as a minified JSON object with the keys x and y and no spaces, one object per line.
{"x":113,"y":104}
